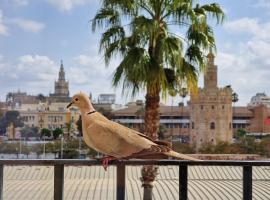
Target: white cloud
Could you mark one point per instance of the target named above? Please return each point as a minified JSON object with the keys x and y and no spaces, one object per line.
{"x":42,"y":67}
{"x":28,"y":25}
{"x":25,"y":24}
{"x":252,"y":26}
{"x":94,"y":64}
{"x":67,"y":5}
{"x":245,"y":63}
{"x":243,"y":25}
{"x":32,"y":73}
{"x":3,"y":27}
{"x":88,"y":73}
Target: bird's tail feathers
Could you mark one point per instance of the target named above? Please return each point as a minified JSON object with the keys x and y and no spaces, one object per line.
{"x":180,"y":156}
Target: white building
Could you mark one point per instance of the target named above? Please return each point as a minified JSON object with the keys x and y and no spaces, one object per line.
{"x":260,"y":99}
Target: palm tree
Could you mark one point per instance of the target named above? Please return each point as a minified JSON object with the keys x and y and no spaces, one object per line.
{"x":154,"y":58}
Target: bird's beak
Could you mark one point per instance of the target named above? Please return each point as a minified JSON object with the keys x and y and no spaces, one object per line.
{"x":70,"y":104}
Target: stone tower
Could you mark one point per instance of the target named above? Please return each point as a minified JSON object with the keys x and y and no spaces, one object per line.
{"x":211,"y":110}
{"x":61,"y":87}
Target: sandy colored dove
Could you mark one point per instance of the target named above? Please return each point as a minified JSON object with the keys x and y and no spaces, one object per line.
{"x":116,"y":140}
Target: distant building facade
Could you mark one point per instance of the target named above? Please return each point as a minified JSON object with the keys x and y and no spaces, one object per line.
{"x":50,"y":116}
{"x":15,"y":99}
{"x":176,"y":119}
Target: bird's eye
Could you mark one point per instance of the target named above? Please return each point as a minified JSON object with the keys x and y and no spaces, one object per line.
{"x":76,"y":99}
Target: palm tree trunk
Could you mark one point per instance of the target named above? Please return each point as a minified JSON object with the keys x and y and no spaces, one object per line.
{"x":151,"y":118}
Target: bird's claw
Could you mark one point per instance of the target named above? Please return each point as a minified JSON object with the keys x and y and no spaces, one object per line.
{"x":105,"y":161}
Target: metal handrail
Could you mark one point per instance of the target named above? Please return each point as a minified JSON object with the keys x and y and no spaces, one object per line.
{"x":47,"y":162}
{"x":121,"y":164}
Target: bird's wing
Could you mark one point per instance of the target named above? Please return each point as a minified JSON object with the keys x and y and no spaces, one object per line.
{"x":117,"y":140}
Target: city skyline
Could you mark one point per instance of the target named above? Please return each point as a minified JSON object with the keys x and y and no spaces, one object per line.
{"x":36,"y":35}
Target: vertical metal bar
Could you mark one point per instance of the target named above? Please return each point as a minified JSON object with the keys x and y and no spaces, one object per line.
{"x":58,"y":182}
{"x":1,"y":181}
{"x":121,"y":179}
{"x":247,"y":182}
{"x":183,"y":182}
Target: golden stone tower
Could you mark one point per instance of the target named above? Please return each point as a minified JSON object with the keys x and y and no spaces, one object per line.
{"x":211,"y":110}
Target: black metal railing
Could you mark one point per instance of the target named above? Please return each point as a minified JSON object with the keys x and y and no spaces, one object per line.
{"x":120,"y":194}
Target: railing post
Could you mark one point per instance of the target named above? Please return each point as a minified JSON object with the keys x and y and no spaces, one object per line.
{"x":183,"y":182}
{"x":58,"y":182}
{"x":247,"y":182}
{"x":1,"y":181}
{"x":121,"y":179}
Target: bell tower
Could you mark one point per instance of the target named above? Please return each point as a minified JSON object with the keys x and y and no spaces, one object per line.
{"x":210,"y":76}
{"x":61,"y":86}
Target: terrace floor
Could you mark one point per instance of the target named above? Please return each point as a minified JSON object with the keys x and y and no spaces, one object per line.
{"x":92,"y":182}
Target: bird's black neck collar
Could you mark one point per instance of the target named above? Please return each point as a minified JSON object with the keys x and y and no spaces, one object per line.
{"x":91,"y":112}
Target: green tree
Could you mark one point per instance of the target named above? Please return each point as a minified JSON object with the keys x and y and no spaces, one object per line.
{"x":45,"y":132}
{"x":240,"y":133}
{"x":57,"y":132}
{"x":144,"y":34}
{"x":27,"y":132}
{"x":11,"y":116}
{"x":41,"y":97}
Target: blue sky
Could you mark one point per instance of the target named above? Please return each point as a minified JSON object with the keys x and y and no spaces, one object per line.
{"x":36,"y":34}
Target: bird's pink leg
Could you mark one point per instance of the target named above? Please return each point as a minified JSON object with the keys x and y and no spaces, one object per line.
{"x":106,"y":160}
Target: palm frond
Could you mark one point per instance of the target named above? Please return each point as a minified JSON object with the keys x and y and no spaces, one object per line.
{"x":105,"y":17}
{"x":215,"y":11}
{"x":132,"y":70}
{"x":195,"y":56}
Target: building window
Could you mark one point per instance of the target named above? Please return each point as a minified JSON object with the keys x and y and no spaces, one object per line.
{"x":230,"y":125}
{"x":213,"y":107}
{"x":223,"y":107}
{"x":201,"y":107}
{"x":212,"y":125}
{"x":212,"y":140}
{"x":192,"y":125}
